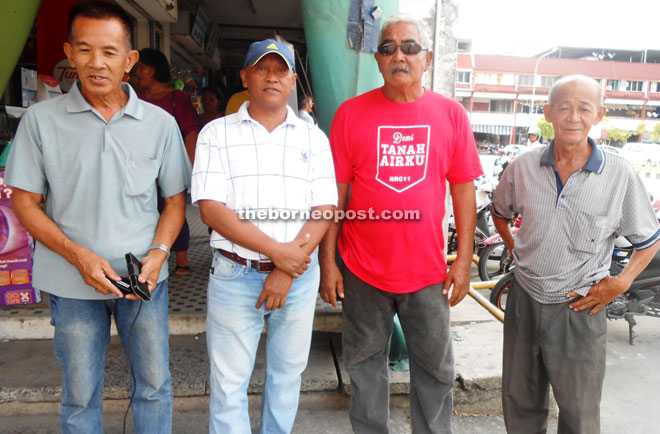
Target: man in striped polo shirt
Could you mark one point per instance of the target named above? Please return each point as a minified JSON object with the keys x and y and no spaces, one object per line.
{"x":575,"y":200}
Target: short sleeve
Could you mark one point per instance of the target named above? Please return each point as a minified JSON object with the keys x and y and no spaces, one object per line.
{"x":25,"y":166}
{"x":174,"y":173}
{"x":339,"y":145}
{"x":465,"y":165}
{"x":638,"y":222}
{"x":324,"y":187}
{"x":209,"y":180}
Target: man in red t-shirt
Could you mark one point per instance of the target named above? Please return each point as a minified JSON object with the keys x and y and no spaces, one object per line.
{"x":397,"y":147}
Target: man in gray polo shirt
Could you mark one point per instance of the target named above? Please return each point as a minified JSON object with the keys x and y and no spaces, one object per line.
{"x":94,"y":156}
{"x":575,"y":200}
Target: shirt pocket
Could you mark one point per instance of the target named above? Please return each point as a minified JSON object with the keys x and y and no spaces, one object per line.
{"x":141,"y":175}
{"x":588,"y":232}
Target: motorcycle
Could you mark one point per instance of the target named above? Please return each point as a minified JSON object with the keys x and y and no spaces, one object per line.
{"x":494,"y":258}
{"x":642,"y":298}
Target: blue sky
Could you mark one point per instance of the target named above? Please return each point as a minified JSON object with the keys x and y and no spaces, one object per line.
{"x":527,"y":27}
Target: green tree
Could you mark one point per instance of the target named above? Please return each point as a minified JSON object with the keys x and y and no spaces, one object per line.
{"x":655,"y":133}
{"x":640,"y":130}
{"x":617,"y":135}
{"x":547,"y":131}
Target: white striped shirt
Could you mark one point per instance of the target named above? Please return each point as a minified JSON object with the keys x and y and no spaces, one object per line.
{"x":567,"y":235}
{"x":239,"y":163}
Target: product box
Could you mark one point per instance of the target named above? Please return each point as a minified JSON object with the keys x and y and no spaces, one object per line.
{"x":16,"y":252}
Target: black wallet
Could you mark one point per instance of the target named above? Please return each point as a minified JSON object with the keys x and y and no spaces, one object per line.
{"x":130,"y":284}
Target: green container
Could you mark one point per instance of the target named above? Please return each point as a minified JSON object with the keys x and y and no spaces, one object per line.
{"x":16,"y":19}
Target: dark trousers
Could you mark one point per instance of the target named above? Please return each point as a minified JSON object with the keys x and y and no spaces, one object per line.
{"x":367,"y":327}
{"x":549,"y":344}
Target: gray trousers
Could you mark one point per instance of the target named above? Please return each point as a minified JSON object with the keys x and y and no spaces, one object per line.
{"x":367,"y":328}
{"x":550,"y":344}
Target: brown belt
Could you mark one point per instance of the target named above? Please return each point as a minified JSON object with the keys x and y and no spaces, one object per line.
{"x":261,"y":266}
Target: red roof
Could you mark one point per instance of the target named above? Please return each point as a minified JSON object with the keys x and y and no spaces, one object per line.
{"x":559,"y":66}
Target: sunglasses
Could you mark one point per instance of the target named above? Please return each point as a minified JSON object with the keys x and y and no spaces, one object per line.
{"x":408,"y":48}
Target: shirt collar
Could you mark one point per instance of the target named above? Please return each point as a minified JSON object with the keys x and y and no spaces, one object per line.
{"x":76,"y":102}
{"x":291,"y":117}
{"x":595,"y":163}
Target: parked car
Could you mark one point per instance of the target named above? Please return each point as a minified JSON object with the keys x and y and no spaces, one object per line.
{"x":641,"y":153}
{"x":610,"y":149}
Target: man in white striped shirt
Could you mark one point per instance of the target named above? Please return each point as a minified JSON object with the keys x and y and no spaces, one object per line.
{"x":265,"y":161}
{"x":575,"y":200}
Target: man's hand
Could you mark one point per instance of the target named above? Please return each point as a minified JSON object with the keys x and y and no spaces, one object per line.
{"x":95,"y":271}
{"x":290,"y":257}
{"x":459,"y":277}
{"x":599,"y":295}
{"x":332,"y":283}
{"x":151,"y":265}
{"x":276,"y":289}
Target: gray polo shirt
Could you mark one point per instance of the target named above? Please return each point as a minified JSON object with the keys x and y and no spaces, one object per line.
{"x":567,"y":235}
{"x":98,"y":178}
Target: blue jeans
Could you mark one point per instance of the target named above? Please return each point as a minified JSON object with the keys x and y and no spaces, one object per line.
{"x":82,"y":332}
{"x":233,"y":329}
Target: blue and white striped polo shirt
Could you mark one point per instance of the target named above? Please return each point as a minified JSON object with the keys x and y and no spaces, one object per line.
{"x":567,"y":235}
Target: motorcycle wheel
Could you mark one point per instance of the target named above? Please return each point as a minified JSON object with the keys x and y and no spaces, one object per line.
{"x":494,"y":261}
{"x":500,"y":292}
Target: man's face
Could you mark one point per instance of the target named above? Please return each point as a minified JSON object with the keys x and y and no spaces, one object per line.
{"x":210,"y":102}
{"x":403,"y":70}
{"x":269,"y":81}
{"x":533,"y":137}
{"x":574,"y":111}
{"x":98,"y":52}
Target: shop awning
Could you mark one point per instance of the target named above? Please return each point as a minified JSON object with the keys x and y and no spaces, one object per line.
{"x":498,"y":130}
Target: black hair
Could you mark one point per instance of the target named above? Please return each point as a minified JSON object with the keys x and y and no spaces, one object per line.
{"x":215,"y":91}
{"x":102,"y":10}
{"x":158,"y":61}
{"x":305,"y":100}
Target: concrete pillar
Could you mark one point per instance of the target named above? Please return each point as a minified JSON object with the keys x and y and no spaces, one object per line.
{"x":438,"y":18}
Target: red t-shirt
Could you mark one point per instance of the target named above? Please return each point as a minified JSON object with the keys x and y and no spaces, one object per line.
{"x":399,"y":157}
{"x":178,"y":105}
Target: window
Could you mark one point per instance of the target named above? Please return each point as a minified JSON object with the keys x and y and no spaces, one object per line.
{"x":655,"y":86}
{"x":613,"y":84}
{"x":526,"y":80}
{"x":548,"y":81}
{"x":634,"y":86}
{"x":501,"y":106}
{"x":462,"y":76}
{"x":485,"y":78}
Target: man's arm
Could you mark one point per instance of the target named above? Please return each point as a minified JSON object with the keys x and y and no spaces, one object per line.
{"x":92,"y":267}
{"x":278,"y":283}
{"x":289,"y":257}
{"x":191,"y":141}
{"x":465,"y":217}
{"x":610,"y":287}
{"x":169,"y":225}
{"x":332,"y":282}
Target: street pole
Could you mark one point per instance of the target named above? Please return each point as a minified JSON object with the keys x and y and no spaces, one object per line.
{"x":536,"y":68}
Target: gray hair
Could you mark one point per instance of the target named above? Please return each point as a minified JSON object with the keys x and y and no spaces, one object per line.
{"x":405,"y":18}
{"x":571,"y":78}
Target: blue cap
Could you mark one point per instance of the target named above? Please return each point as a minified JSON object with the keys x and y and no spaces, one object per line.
{"x":259,"y":49}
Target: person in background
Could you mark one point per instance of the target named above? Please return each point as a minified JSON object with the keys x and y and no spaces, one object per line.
{"x":305,"y":112}
{"x":84,"y":167}
{"x":152,"y":73}
{"x":211,"y":101}
{"x":533,"y":138}
{"x":236,"y":101}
